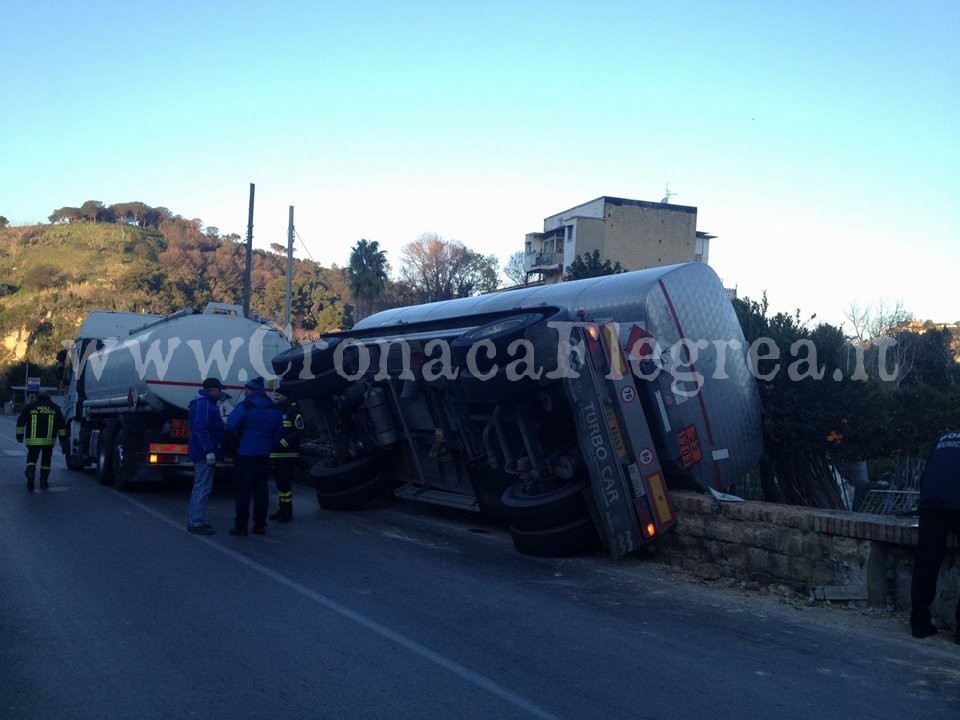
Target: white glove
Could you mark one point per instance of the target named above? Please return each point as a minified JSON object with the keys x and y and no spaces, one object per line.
{"x":211,"y":459}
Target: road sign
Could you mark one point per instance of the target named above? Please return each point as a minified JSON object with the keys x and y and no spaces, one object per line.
{"x":33,"y":385}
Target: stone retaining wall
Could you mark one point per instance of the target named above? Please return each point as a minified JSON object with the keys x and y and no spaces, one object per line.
{"x":828,"y":554}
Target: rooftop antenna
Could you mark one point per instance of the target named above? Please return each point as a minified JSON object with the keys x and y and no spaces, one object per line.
{"x":666,"y":198}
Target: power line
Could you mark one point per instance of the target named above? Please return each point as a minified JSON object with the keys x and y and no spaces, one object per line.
{"x":303,"y":245}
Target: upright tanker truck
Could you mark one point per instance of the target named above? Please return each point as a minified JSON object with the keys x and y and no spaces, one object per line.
{"x":570,"y":410}
{"x":129,"y":378}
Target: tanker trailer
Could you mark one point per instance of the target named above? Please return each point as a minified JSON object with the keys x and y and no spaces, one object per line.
{"x":130,"y":378}
{"x":570,"y":410}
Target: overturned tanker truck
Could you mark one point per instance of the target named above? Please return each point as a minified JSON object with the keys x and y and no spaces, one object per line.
{"x":570,"y":410}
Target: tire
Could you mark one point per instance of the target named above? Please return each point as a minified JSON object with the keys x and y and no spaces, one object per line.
{"x":75,"y":462}
{"x":499,"y":332}
{"x":573,"y":538}
{"x":123,"y":465}
{"x":532,"y":512}
{"x":289,"y":364}
{"x":354,"y":498}
{"x":105,"y":454}
{"x":532,"y":327}
{"x":332,"y":479}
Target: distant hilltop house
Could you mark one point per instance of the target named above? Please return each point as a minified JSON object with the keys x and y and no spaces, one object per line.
{"x":636,"y":233}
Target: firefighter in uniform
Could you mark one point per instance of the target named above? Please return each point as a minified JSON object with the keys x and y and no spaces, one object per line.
{"x":40,"y":425}
{"x":286,"y":454}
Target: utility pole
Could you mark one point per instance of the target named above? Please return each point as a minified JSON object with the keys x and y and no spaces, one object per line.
{"x":249,"y":268}
{"x":287,"y":320}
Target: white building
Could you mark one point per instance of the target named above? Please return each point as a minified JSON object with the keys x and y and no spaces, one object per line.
{"x":636,"y":233}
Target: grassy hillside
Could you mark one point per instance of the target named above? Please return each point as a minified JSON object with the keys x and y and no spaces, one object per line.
{"x":51,"y":276}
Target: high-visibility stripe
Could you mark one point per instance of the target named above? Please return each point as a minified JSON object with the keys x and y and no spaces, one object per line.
{"x":618,"y":366}
{"x":661,"y":499}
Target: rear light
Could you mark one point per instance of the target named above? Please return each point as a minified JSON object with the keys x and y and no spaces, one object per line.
{"x":651,"y":530}
{"x":156,"y":459}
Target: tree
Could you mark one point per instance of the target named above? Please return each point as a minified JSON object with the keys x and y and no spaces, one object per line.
{"x":92,"y":211}
{"x":439,"y":269}
{"x":590,"y":265}
{"x":367,"y":272}
{"x":514,"y":268}
{"x":872,"y":321}
{"x":131,"y":212}
{"x":65,"y":214}
{"x":3,"y":222}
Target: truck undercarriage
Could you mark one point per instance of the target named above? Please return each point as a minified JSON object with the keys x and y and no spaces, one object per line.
{"x":504,"y":418}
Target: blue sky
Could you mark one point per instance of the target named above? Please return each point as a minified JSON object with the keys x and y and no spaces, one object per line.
{"x":818,"y":140}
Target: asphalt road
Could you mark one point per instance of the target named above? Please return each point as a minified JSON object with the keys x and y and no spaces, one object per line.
{"x":109,"y":609}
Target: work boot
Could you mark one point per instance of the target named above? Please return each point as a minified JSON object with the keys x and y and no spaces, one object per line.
{"x":284,"y":513}
{"x":923,"y":629}
{"x":29,"y":484}
{"x":44,"y":484}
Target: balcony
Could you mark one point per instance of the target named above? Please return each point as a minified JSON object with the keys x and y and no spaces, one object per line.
{"x":542,"y":261}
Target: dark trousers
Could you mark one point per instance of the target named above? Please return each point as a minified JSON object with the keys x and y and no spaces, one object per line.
{"x":250,"y":473}
{"x":283,"y":472}
{"x":45,"y":453}
{"x":936,"y":524}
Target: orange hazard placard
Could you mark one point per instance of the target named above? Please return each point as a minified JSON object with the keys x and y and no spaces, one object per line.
{"x":179,"y":428}
{"x":689,"y":442}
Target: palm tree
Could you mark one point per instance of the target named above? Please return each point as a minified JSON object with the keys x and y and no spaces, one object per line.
{"x":368,"y":275}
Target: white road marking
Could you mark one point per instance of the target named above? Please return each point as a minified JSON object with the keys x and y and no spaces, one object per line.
{"x":471,"y":676}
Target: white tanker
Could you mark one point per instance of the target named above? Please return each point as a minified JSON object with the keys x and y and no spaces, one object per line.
{"x":131,"y":376}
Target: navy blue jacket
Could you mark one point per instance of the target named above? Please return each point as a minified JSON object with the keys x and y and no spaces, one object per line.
{"x":259,"y":427}
{"x":206,"y":428}
{"x":940,"y":483}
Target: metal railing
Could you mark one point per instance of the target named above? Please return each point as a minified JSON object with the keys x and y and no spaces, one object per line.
{"x":890,"y":502}
{"x":538,"y":260}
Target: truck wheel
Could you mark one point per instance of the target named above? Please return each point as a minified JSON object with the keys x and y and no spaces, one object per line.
{"x":354,"y":498}
{"x":529,"y":508}
{"x":573,"y":538}
{"x":532,"y":327}
{"x":325,"y":383}
{"x":123,"y":465}
{"x":75,"y":462}
{"x":331,"y":479}
{"x":500,"y":332}
{"x":105,"y":454}
{"x":323,"y":376}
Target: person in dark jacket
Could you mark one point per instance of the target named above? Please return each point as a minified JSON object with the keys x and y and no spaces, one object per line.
{"x":39,"y":426}
{"x":205,"y":448}
{"x":258,"y":426}
{"x":285,"y":454}
{"x":939,"y":510}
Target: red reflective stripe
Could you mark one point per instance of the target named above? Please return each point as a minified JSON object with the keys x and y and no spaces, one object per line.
{"x":168,"y":448}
